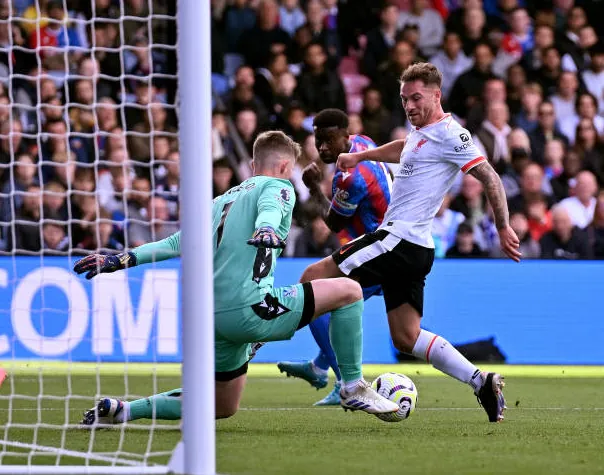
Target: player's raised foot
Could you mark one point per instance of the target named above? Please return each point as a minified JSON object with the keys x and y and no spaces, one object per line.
{"x":333,"y":398}
{"x":365,"y":398}
{"x":490,"y":396}
{"x":107,"y":411}
{"x":306,"y":371}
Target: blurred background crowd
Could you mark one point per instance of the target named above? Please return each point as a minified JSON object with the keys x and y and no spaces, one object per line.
{"x":88,"y":131}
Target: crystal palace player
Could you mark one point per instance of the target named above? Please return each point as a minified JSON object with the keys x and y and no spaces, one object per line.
{"x":399,"y":255}
{"x":360,"y":199}
{"x":249,"y":225}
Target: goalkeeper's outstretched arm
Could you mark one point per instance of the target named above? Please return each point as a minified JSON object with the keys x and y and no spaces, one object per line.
{"x":158,"y":251}
{"x":151,"y":252}
{"x":275,"y":207}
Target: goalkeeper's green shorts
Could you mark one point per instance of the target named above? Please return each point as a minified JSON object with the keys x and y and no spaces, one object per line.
{"x":277,"y":317}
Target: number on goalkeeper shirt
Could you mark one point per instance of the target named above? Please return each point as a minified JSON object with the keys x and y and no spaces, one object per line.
{"x":223,"y":216}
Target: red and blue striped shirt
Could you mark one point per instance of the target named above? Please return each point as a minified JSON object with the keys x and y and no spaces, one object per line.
{"x":361,"y":193}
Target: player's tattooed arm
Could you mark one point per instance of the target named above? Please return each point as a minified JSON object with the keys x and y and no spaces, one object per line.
{"x":495,"y":192}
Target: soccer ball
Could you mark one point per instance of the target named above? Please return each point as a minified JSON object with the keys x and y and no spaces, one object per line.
{"x":399,"y":389}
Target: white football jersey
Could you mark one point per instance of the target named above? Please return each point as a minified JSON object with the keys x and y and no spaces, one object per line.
{"x":430,"y":161}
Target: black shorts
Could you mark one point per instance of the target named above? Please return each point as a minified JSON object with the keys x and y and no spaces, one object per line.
{"x":230,"y":375}
{"x":399,"y":266}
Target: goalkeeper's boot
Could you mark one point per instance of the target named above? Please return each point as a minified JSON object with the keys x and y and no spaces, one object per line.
{"x":333,"y":398}
{"x":364,"y":398}
{"x":306,"y":371}
{"x":490,"y":396}
{"x":107,"y":411}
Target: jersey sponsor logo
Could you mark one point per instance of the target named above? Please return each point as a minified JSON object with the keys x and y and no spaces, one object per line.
{"x":419,"y":145}
{"x":344,"y":205}
{"x":269,"y":308}
{"x":463,"y":146}
{"x":464,"y":137}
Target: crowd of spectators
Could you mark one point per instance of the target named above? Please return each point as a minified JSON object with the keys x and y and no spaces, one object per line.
{"x":88,"y":145}
{"x":525,"y":78}
{"x":89,"y":156}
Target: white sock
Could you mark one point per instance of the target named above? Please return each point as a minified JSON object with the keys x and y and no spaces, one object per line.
{"x":350,"y":386}
{"x":440,"y":353}
{"x":124,"y":414}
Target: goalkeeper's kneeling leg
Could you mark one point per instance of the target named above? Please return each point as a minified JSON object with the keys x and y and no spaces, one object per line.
{"x":228,"y":395}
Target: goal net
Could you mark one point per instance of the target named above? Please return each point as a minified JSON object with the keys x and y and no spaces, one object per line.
{"x":89,"y":162}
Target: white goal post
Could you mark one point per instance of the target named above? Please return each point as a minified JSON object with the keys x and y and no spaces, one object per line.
{"x":66,"y":341}
{"x":197,"y":266}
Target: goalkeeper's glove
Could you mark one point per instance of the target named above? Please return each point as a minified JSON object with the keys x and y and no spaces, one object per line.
{"x":101,"y":264}
{"x":266,"y":237}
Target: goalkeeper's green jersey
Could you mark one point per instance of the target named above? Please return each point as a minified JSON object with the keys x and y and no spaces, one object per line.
{"x":243,"y":274}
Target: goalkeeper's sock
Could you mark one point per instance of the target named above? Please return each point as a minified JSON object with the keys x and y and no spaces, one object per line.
{"x":346,"y":335}
{"x":443,"y":356}
{"x":326,"y":359}
{"x":167,"y":406}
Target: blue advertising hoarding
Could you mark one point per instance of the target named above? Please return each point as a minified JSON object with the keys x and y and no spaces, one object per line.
{"x":540,"y":312}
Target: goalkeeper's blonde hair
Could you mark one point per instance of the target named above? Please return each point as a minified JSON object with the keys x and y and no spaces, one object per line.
{"x":275,"y":145}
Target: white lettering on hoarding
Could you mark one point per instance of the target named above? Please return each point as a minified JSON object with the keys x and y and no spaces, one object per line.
{"x":113,"y":303}
{"x":111,"y":308}
{"x":21,"y":315}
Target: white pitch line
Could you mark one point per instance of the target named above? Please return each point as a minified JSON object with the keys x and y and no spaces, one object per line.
{"x":69,"y":453}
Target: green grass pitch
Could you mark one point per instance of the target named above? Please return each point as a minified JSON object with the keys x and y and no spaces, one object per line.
{"x":554,"y":424}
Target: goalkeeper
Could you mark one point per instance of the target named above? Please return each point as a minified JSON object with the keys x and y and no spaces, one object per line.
{"x":250,"y":223}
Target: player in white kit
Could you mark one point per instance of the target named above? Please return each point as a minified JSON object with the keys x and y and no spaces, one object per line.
{"x":400,"y":253}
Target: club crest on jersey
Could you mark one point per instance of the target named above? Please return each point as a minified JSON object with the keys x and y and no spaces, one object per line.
{"x":285,"y":194}
{"x":419,"y":145}
{"x":342,"y":195}
{"x":291,"y":292}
